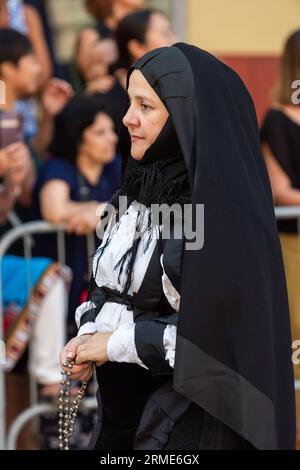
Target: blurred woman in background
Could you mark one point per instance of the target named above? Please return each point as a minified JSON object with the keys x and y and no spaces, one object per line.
{"x":280,"y":137}
{"x":98,"y":67}
{"x":30,"y":307}
{"x":92,"y":57}
{"x":139,"y":33}
{"x":83,"y":173}
{"x":96,"y":48}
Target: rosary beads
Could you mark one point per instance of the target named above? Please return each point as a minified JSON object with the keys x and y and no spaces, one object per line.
{"x":68,"y":407}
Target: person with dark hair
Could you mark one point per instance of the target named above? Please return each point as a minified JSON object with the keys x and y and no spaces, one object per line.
{"x":26,"y":20}
{"x":18,"y":63}
{"x":89,"y":72}
{"x":93,"y":55}
{"x":96,"y":48}
{"x":140,"y":32}
{"x":96,"y":68}
{"x":20,"y":74}
{"x":82,"y":173}
{"x":280,"y":138}
{"x":187,"y":319}
{"x":96,"y":52}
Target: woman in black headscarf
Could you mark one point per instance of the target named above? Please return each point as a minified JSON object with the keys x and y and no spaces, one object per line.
{"x":228,"y":383}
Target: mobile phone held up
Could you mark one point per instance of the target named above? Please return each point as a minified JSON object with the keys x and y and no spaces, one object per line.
{"x":11,"y":128}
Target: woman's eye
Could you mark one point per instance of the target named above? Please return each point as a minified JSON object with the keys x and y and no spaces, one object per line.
{"x":144,"y":107}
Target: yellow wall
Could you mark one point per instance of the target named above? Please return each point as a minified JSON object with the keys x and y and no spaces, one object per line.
{"x":242,"y":26}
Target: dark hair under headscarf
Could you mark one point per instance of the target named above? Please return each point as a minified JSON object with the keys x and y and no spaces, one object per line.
{"x":233,"y":345}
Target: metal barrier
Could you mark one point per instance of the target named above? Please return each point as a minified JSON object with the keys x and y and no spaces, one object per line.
{"x":25,"y":231}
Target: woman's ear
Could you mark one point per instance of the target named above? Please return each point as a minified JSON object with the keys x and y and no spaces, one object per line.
{"x":8,"y":70}
{"x":83,"y":144}
{"x":136,"y":49}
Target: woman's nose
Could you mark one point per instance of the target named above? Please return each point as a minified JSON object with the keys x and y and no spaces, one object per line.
{"x":130,"y":119}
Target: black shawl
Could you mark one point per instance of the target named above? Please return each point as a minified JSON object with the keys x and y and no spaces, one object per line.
{"x":233,"y":350}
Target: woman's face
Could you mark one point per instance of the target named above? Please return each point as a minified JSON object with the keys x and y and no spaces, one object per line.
{"x":87,"y":57}
{"x":146,"y":115}
{"x":100,"y":140}
{"x":159,"y":33}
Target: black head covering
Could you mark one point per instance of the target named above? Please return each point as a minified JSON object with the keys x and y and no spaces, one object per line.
{"x":233,"y":350}
{"x":160,"y":177}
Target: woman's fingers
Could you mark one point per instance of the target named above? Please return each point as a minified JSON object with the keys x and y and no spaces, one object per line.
{"x":72,"y":346}
{"x":95,"y":349}
{"x":79,"y":372}
{"x":78,"y":369}
{"x":69,"y":352}
{"x":82,"y":372}
{"x":88,"y":374}
{"x":83,"y":356}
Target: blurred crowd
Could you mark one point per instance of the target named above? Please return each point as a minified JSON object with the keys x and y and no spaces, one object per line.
{"x":59,"y":162}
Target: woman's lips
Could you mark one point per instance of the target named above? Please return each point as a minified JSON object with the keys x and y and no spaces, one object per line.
{"x":135,"y":138}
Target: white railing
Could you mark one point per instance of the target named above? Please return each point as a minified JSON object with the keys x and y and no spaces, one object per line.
{"x":25,"y":232}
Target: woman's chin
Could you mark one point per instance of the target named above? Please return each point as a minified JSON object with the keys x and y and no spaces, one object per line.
{"x":137,"y":155}
{"x":137,"y":150}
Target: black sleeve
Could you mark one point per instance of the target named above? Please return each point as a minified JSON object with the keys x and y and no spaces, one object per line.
{"x":149,"y":343}
{"x":274,"y":132}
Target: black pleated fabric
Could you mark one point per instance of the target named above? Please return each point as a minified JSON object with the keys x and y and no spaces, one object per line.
{"x":198,"y":430}
{"x":124,"y":390}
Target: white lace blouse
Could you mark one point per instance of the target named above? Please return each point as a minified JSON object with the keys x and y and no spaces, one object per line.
{"x":115,"y":317}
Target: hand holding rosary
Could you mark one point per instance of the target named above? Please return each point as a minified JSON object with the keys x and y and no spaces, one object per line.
{"x":68,"y":406}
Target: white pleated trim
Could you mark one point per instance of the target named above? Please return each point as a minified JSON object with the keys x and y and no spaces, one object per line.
{"x":169,"y":341}
{"x":170,"y":292}
{"x":83,"y":308}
